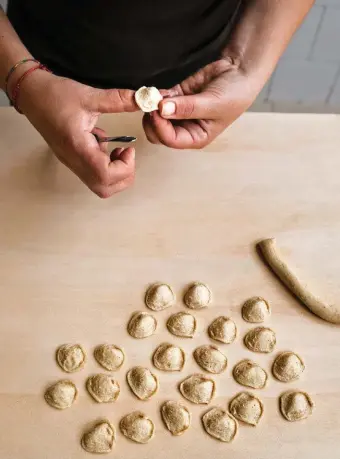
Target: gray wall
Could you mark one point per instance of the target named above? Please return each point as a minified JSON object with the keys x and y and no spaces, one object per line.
{"x":308,"y":75}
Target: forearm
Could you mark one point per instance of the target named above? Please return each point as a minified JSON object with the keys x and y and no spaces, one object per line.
{"x":12,"y":49}
{"x":263,"y":32}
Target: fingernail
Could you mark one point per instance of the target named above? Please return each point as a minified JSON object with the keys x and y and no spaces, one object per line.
{"x":168,"y":108}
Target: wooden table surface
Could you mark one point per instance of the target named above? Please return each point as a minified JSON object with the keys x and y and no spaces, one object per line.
{"x":73,"y":269}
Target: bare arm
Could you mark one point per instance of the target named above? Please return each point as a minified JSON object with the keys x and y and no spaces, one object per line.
{"x":264,"y":31}
{"x":12,"y":49}
{"x":65,"y":113}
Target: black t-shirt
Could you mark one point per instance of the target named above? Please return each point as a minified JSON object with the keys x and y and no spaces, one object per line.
{"x":124,"y":43}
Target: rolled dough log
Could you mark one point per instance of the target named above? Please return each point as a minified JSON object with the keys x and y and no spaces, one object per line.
{"x":272,"y":256}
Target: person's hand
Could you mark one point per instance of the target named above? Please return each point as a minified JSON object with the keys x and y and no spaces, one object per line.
{"x":65,"y":113}
{"x":202,"y":106}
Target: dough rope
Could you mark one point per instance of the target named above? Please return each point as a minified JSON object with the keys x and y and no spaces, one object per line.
{"x":328,"y":312}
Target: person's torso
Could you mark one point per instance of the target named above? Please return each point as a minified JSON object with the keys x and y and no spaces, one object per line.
{"x":126,"y":43}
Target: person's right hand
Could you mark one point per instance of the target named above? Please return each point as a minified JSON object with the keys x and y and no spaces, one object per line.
{"x":65,"y":113}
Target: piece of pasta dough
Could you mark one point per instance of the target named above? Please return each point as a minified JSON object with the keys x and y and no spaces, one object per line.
{"x":288,"y":367}
{"x":182,"y":324}
{"x":168,"y":357}
{"x":148,"y":99}
{"x":198,"y":389}
{"x":223,"y":329}
{"x":260,"y":339}
{"x":220,"y":424}
{"x":246,"y":408}
{"x":100,"y":438}
{"x":109,"y":356}
{"x":142,"y":382}
{"x":142,"y":325}
{"x":71,"y":357}
{"x":159,"y":296}
{"x":176,"y":417}
{"x":198,"y":296}
{"x":211,"y":359}
{"x":137,"y":427}
{"x":296,"y":405}
{"x":250,"y":374}
{"x":62,"y":394}
{"x":256,"y":310}
{"x":103,"y":388}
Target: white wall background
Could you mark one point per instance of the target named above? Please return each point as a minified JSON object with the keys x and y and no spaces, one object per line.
{"x":307,"y":78}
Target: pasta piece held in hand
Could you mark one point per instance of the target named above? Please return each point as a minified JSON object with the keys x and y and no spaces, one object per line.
{"x":109,"y":356}
{"x":250,"y":374}
{"x":218,"y":423}
{"x":182,"y":324}
{"x":176,"y":417}
{"x":61,"y":395}
{"x":210,"y":358}
{"x":288,"y":367}
{"x":255,"y":310}
{"x":103,"y":388}
{"x":159,"y":296}
{"x":137,"y":427}
{"x":148,"y":99}
{"x":246,"y":408}
{"x":142,"y":325}
{"x":260,"y":339}
{"x":198,"y":389}
{"x":296,"y":405}
{"x":198,"y":296}
{"x":100,"y":439}
{"x":223,"y":329}
{"x":71,"y":357}
{"x":168,"y":357}
{"x":142,"y":382}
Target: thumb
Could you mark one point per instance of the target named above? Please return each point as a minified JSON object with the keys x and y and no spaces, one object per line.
{"x":113,"y":101}
{"x":197,"y":106}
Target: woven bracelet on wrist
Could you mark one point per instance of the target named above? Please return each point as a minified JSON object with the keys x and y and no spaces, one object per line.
{"x":15,"y":66}
{"x":16,"y":89}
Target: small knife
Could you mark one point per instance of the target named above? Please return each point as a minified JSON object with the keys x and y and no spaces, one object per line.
{"x":122,"y":138}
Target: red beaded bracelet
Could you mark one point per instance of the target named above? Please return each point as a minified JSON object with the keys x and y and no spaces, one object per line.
{"x":16,"y":89}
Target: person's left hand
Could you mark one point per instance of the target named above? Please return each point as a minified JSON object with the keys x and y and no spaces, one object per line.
{"x":202,"y":106}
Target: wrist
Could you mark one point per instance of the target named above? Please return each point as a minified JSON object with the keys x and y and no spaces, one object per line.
{"x":14,"y":76}
{"x":31,"y":89}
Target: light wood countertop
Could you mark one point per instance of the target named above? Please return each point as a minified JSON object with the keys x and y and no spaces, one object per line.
{"x":74,"y":268}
